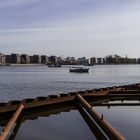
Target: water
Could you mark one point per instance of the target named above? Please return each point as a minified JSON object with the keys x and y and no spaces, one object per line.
{"x":21,"y":82}
{"x":64,"y":126}
{"x":125,"y":119}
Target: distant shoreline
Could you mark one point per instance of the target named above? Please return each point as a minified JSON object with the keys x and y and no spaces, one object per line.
{"x":5,"y":65}
{"x":24,"y":65}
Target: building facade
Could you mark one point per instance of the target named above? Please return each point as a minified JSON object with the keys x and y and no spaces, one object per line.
{"x":44,"y":59}
{"x":25,"y":59}
{"x":36,"y":59}
{"x":15,"y":59}
{"x":2,"y":59}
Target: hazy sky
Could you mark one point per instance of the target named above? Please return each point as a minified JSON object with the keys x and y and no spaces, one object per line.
{"x":70,"y":27}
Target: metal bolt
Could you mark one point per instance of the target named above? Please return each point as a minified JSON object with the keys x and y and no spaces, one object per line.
{"x":102,"y":117}
{"x":91,"y":106}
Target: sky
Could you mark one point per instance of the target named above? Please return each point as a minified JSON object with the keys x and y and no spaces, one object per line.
{"x":70,"y":27}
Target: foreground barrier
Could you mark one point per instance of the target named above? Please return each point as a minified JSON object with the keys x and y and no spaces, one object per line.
{"x":50,"y":100}
{"x":111,"y":132}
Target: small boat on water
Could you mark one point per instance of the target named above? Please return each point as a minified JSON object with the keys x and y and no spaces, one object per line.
{"x":54,"y":65}
{"x":88,"y":65}
{"x":79,"y":70}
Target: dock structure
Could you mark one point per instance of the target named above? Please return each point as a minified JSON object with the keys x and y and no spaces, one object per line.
{"x":55,"y":103}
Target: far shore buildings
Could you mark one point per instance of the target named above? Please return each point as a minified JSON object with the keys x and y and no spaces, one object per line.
{"x":15,"y":59}
{"x":138,"y":60}
{"x":52,"y":59}
{"x":2,"y":59}
{"x":25,"y":59}
{"x":36,"y":59}
{"x":8,"y":59}
{"x":70,"y":61}
{"x":44,"y":59}
{"x":92,"y":60}
{"x":60,"y":60}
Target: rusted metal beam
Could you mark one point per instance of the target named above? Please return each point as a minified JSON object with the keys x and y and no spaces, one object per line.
{"x":34,"y":103}
{"x":11,"y":123}
{"x":97,"y":132}
{"x":102,"y":93}
{"x":111,"y":132}
{"x":125,"y":92}
{"x":117,"y":104}
{"x":124,"y":95}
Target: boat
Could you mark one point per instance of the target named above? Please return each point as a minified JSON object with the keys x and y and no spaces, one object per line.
{"x":79,"y":70}
{"x":54,"y":65}
{"x":88,"y":64}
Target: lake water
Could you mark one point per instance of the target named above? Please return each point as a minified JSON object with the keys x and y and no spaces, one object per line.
{"x":125,"y":119}
{"x":21,"y":82}
{"x":64,"y":126}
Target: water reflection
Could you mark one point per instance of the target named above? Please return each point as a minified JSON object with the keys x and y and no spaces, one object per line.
{"x":124,"y":115}
{"x":33,"y":116}
{"x":99,"y":134}
{"x":72,"y":122}
{"x":125,"y":119}
{"x":66,"y":125}
{"x":51,"y":123}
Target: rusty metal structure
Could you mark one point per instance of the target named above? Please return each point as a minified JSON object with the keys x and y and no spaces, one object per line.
{"x":84,"y":101}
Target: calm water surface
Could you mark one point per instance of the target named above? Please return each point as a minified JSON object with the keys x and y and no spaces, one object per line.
{"x":125,"y":119}
{"x":64,"y":126}
{"x":21,"y":82}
